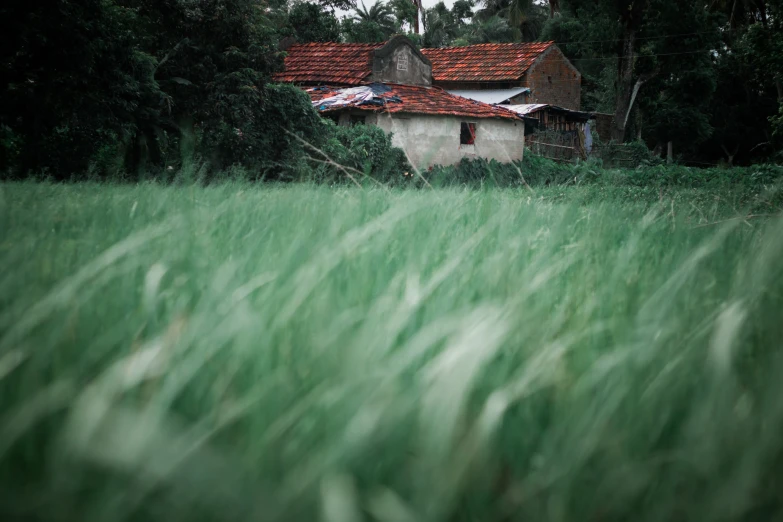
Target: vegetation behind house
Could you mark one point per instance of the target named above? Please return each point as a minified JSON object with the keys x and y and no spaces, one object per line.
{"x":135,"y":86}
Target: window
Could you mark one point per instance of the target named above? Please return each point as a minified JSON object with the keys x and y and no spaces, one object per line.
{"x":467,"y":133}
{"x":402,"y":63}
{"x":357,"y":120}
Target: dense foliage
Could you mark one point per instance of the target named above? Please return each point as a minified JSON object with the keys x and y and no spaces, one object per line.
{"x":138,"y":87}
{"x":701,"y":75}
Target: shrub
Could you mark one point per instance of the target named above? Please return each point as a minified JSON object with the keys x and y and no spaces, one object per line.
{"x":365,"y":151}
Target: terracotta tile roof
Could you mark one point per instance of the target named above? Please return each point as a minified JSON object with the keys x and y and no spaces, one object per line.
{"x":328,"y":63}
{"x":483,"y":62}
{"x":416,"y":100}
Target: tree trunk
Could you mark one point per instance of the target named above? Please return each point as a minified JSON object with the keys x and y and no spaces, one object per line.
{"x":417,"y":3}
{"x":670,"y":153}
{"x":762,"y":7}
{"x":631,"y":14}
{"x":622,"y":104}
{"x":639,"y":126}
{"x":730,"y":155}
{"x":554,"y":7}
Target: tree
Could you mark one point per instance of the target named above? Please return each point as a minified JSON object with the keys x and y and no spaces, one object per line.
{"x":380,"y":13}
{"x":74,"y":80}
{"x":680,"y":74}
{"x":554,"y":8}
{"x":406,"y":12}
{"x":136,"y":80}
{"x":639,"y":33}
{"x":333,"y":5}
{"x":525,"y":17}
{"x":438,"y":27}
{"x":313,"y":23}
{"x":631,"y":15}
{"x":462,"y":9}
{"x":490,"y":30}
{"x":375,"y":24}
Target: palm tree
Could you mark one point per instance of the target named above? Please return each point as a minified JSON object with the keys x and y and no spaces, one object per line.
{"x":525,"y":17}
{"x":490,"y":30}
{"x":406,"y":12}
{"x":436,"y":29}
{"x":380,"y":14}
{"x":523,"y":20}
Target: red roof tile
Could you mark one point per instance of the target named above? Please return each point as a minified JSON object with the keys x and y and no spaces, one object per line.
{"x":483,"y":62}
{"x":334,"y":63}
{"x":421,"y":100}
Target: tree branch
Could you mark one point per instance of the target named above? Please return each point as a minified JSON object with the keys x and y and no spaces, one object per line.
{"x":168,"y":56}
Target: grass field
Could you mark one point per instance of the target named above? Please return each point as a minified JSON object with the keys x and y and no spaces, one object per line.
{"x":306,"y":353}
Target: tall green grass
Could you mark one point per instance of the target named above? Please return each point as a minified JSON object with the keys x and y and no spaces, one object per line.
{"x":303,"y":353}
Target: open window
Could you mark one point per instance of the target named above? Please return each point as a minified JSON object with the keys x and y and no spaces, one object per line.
{"x":467,"y":133}
{"x":357,"y":119}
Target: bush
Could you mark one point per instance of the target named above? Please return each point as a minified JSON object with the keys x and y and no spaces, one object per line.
{"x":365,"y":151}
{"x":537,"y":171}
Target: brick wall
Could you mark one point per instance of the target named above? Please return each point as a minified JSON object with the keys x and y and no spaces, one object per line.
{"x":553,"y":80}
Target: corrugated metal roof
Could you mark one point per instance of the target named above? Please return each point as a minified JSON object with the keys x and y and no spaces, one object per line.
{"x":483,"y":62}
{"x":529,"y":108}
{"x":404,"y":99}
{"x":491,"y":95}
{"x":526,"y":108}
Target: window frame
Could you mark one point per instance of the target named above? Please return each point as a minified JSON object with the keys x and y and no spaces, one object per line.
{"x":471,"y":128}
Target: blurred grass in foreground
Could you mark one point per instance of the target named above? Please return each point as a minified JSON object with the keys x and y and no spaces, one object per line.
{"x":300,"y":353}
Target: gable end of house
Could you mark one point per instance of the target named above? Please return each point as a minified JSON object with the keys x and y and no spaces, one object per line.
{"x":400,"y":62}
{"x":554,"y":80}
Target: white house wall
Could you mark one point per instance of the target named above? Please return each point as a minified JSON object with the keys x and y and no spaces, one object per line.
{"x":435,"y":140}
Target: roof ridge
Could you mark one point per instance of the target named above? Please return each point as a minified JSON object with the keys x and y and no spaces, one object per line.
{"x":494,"y":44}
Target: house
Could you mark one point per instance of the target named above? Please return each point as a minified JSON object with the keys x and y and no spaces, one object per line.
{"x":391,"y":86}
{"x":526,"y":72}
{"x":520,"y":73}
{"x":432,"y":126}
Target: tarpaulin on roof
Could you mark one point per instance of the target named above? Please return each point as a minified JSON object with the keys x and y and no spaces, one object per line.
{"x":411,"y":99}
{"x":354,"y":96}
{"x":490,"y":95}
{"x":346,"y":97}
